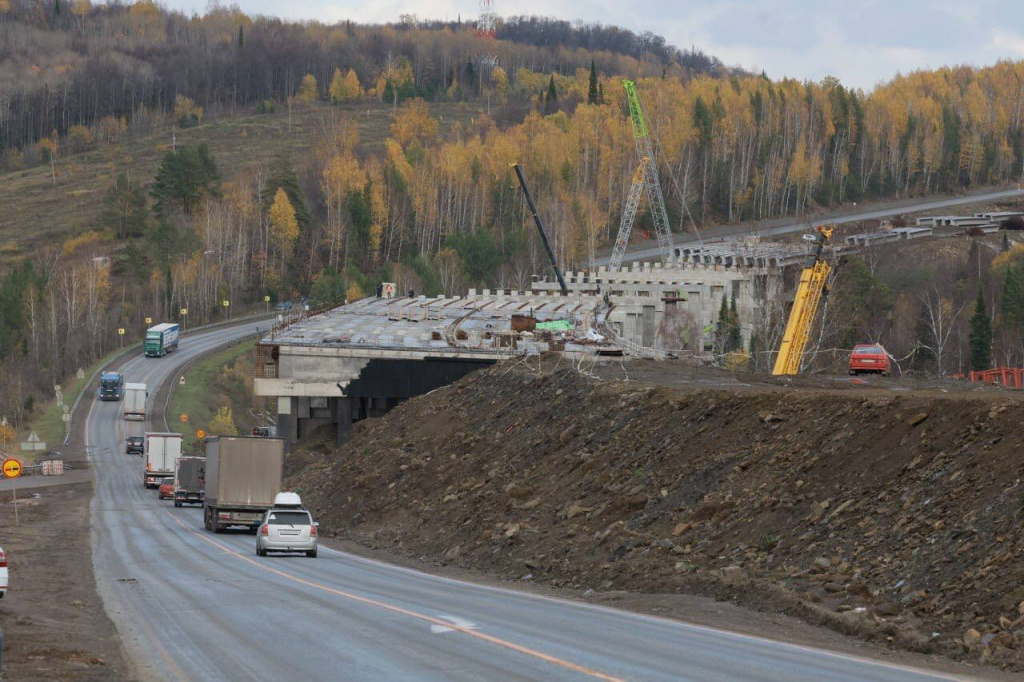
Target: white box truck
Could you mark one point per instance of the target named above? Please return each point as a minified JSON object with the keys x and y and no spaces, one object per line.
{"x":162,"y":453}
{"x":243,"y":476}
{"x":135,"y":402}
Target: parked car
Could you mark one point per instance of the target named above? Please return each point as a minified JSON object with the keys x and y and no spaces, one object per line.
{"x":287,"y":527}
{"x":167,"y":488}
{"x":283,"y":306}
{"x":3,"y":573}
{"x":134,"y":445}
{"x":869,"y":358}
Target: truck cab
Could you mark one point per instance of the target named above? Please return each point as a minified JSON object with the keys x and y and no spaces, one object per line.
{"x":111,"y":386}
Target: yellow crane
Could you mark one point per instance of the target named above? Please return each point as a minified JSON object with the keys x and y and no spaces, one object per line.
{"x":813,"y":287}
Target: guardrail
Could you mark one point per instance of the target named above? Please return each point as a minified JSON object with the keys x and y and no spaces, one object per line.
{"x":135,"y":348}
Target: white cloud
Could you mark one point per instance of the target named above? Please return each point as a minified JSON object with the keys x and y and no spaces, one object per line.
{"x":1008,"y":41}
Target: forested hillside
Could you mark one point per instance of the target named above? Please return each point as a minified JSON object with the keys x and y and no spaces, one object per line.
{"x":224,"y":156}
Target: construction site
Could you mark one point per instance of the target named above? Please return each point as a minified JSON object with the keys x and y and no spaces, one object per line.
{"x":595,"y":434}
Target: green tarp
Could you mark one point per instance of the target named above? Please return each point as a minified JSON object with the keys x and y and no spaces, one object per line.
{"x":556,"y":326}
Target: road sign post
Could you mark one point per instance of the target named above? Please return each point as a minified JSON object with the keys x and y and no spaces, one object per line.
{"x":12,"y":469}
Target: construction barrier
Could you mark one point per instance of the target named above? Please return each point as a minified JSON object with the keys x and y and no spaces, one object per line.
{"x":1011,"y":377}
{"x":53,"y":467}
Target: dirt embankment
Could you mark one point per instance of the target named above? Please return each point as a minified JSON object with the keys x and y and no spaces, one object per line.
{"x":895,"y":518}
{"x":54,"y":624}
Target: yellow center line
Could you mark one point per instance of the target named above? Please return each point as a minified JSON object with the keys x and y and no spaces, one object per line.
{"x":547,"y":658}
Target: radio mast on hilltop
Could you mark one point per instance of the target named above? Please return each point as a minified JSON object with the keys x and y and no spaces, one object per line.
{"x":486,"y":26}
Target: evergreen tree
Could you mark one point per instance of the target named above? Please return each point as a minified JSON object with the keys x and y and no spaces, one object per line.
{"x":184,"y":177}
{"x":241,"y":37}
{"x":1012,"y":300}
{"x":56,"y":8}
{"x":735,"y":340}
{"x":600,"y":93}
{"x":722,"y":327}
{"x":1006,"y":242}
{"x":592,"y":92}
{"x":124,"y":209}
{"x":980,"y":338}
{"x":551,"y":98}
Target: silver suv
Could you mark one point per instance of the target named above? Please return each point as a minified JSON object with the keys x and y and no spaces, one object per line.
{"x":287,"y":530}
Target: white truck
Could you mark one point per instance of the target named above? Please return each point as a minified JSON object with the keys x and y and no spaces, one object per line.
{"x":135,"y":402}
{"x":162,"y":453}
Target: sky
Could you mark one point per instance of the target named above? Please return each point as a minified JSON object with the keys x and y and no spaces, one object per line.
{"x":861,"y":42}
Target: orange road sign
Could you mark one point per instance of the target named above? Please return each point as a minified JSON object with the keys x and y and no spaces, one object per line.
{"x":183,"y":418}
{"x":200,"y":434}
{"x":11,"y":468}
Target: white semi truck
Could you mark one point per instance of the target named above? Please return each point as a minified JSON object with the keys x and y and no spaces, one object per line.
{"x":162,"y":453}
{"x":135,"y":402}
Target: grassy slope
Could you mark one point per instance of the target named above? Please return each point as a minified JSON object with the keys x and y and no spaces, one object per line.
{"x":37,"y":212}
{"x":208,"y":387}
{"x":48,"y":424}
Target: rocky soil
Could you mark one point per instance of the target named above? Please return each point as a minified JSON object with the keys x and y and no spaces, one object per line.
{"x":892,"y":517}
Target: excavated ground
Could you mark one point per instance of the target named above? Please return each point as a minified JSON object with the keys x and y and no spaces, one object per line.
{"x":894,"y":517}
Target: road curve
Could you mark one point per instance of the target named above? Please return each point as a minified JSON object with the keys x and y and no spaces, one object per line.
{"x":191,"y":605}
{"x":724,"y":232}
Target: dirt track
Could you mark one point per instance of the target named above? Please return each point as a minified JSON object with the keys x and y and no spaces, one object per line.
{"x":53,"y":621}
{"x":890,"y":516}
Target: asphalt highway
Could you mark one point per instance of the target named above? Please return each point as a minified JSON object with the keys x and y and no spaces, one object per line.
{"x":192,"y":605}
{"x":737,"y":231}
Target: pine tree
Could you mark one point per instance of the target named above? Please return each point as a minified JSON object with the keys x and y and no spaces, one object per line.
{"x":735,"y":340}
{"x":551,"y":98}
{"x":980,"y":338}
{"x":1006,"y":241}
{"x":124,"y":209}
{"x":56,"y":8}
{"x":241,"y":37}
{"x":185,"y":176}
{"x":600,"y":93}
{"x":592,"y":92}
{"x":1012,"y":300}
{"x":722,"y":327}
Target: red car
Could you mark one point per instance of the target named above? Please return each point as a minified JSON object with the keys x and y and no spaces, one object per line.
{"x":167,"y":489}
{"x":869,"y":358}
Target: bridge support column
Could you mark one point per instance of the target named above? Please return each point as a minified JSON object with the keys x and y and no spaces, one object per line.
{"x":286,"y":421}
{"x":343,"y":407}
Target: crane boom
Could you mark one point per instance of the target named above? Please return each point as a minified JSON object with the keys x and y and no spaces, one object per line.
{"x":636,"y":190}
{"x":812,"y":288}
{"x":648,"y":172}
{"x":540,"y":228}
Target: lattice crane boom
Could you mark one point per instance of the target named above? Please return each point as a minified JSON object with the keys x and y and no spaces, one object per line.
{"x":812,"y":289}
{"x":636,"y":190}
{"x":648,"y":172}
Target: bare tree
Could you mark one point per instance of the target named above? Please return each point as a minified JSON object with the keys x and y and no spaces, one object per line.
{"x":940,"y":316}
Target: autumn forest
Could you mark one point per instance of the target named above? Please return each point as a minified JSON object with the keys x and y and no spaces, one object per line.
{"x":428,"y":200}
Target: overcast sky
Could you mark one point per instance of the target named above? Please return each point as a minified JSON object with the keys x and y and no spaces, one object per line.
{"x":862,"y":42}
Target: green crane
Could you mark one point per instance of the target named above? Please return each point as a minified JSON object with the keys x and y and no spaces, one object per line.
{"x":645,"y":178}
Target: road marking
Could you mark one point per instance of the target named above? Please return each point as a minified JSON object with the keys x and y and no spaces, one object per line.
{"x":547,"y":658}
{"x":458,"y":622}
{"x":175,"y":669}
{"x":935,"y":674}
